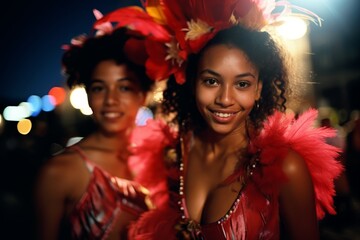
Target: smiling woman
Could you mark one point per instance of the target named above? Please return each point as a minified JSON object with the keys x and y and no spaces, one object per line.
{"x":113,"y":83}
{"x":226,"y":88}
{"x":243,"y":167}
{"x":87,"y":191}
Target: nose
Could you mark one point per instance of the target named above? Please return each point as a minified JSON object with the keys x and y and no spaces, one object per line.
{"x":225,"y":96}
{"x":111,"y":97}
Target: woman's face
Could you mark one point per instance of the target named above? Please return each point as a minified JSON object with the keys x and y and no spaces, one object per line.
{"x":226,"y":88}
{"x":114,"y":96}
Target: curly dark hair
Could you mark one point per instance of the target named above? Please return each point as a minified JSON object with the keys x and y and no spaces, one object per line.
{"x":80,"y":61}
{"x":262,"y":51}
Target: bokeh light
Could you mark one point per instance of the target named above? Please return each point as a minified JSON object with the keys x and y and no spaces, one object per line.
{"x":26,"y":109}
{"x":15,"y":113}
{"x":24,"y":126}
{"x":78,"y":99}
{"x":47,"y":103}
{"x":35,"y":102}
{"x":59,"y":95}
{"x":143,"y":115}
{"x":86,"y":110}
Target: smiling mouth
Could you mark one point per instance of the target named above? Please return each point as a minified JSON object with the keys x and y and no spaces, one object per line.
{"x":112,"y":115}
{"x":223,"y":115}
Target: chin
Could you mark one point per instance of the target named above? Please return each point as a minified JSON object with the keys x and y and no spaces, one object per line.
{"x":114,"y":129}
{"x":221,"y":130}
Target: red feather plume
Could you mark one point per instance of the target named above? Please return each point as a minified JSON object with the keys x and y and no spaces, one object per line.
{"x":138,"y":21}
{"x":281,"y":133}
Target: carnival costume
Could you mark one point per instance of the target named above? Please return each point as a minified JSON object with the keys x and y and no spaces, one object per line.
{"x":103,"y":202}
{"x":190,"y":24}
{"x":107,"y":197}
{"x":255,"y":212}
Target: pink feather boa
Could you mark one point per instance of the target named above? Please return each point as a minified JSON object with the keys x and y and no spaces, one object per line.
{"x":282,"y":132}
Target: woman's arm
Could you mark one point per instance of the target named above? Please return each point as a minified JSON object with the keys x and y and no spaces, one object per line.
{"x":50,"y":194}
{"x":297,"y":200}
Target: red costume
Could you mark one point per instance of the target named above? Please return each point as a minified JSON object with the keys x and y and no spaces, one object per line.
{"x":255,"y":212}
{"x":187,"y":26}
{"x":103,"y":203}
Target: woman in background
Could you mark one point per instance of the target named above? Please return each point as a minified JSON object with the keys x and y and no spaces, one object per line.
{"x":86,"y":191}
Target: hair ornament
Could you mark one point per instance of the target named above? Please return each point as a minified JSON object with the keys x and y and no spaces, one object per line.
{"x":192,"y":23}
{"x":140,"y":27}
{"x":102,"y":29}
{"x":137,"y":21}
{"x":150,"y":35}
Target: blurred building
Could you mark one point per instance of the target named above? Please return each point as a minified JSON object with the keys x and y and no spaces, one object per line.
{"x":336,"y":56}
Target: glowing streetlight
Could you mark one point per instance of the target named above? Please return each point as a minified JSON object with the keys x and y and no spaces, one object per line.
{"x":293,"y":28}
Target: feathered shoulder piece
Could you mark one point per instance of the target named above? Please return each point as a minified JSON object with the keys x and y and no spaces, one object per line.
{"x":283,"y":132}
{"x":148,"y":145}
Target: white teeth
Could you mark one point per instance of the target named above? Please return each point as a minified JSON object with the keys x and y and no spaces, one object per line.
{"x":223,"y":115}
{"x":111,"y":115}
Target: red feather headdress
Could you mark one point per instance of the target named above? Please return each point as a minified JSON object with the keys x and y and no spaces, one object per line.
{"x":140,"y":27}
{"x":192,"y":23}
{"x":173,"y":29}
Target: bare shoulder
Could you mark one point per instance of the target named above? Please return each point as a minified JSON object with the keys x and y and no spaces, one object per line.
{"x":294,"y":165}
{"x":58,"y":171}
{"x":61,"y":164}
{"x":299,"y":181}
{"x":54,"y":194}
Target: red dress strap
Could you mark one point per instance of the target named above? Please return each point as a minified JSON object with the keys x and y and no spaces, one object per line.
{"x":88,"y":163}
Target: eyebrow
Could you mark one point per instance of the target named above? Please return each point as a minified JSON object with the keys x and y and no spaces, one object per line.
{"x":119,"y":80}
{"x":218,"y":75}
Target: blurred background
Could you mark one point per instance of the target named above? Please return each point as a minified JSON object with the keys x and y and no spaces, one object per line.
{"x":39,"y":115}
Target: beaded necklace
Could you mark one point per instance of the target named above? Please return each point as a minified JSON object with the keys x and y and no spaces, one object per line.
{"x":188,"y":227}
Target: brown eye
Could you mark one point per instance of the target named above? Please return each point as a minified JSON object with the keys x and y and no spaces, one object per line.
{"x":243,"y":84}
{"x":210,"y":81}
{"x":126,"y":88}
{"x":96,"y":88}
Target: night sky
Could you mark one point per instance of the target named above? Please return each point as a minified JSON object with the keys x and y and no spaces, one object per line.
{"x":32,"y":33}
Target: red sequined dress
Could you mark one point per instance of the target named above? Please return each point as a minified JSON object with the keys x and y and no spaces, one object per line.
{"x":255,"y":212}
{"x":104,"y":202}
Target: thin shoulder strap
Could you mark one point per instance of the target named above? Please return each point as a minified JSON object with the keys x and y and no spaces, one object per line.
{"x":88,"y":163}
